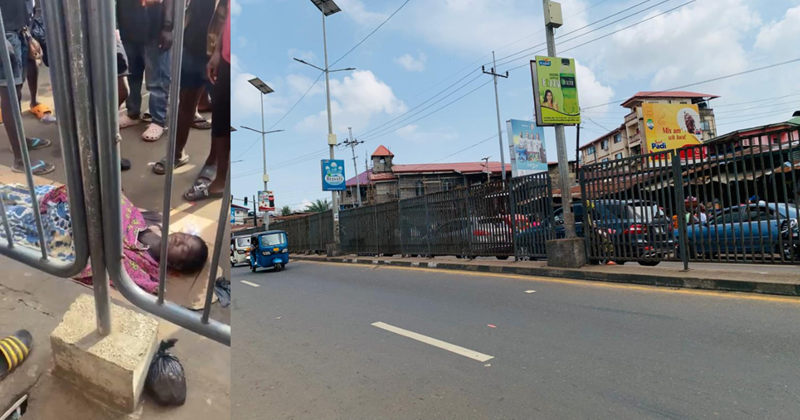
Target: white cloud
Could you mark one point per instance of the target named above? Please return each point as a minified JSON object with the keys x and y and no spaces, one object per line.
{"x":695,"y":42}
{"x":781,"y":35}
{"x":302,"y":54}
{"x":412,"y":133}
{"x":299,"y":84}
{"x":410,"y":63}
{"x":246,"y":100}
{"x":359,"y":13}
{"x":591,"y":92}
{"x":355,"y":100}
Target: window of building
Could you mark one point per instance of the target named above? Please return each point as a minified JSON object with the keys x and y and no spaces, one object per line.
{"x":617,"y":138}
{"x":604,"y":160}
{"x":618,"y":156}
{"x":604,"y":144}
{"x":447,"y":185}
{"x":705,"y":125}
{"x":419,"y":188}
{"x":590,"y":150}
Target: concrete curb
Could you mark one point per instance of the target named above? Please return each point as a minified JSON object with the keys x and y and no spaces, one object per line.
{"x":687,"y":282}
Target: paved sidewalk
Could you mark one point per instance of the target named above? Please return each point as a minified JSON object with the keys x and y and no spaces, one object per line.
{"x":768,"y":280}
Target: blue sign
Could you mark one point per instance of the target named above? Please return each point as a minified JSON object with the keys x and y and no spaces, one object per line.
{"x":527,"y":148}
{"x":333,"y":175}
{"x":233,"y":216}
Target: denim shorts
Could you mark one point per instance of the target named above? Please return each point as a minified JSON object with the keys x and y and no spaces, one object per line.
{"x":193,"y":71}
{"x":19,"y":57}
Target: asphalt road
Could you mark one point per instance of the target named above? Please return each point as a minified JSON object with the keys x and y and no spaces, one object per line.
{"x":304,"y":347}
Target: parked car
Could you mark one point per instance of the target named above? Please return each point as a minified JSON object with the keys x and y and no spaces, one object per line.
{"x":748,"y":229}
{"x":638,"y":230}
{"x":468,"y":237}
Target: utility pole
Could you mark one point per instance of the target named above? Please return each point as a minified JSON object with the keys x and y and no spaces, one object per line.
{"x":265,"y":90}
{"x":561,"y":141}
{"x":255,"y":212}
{"x":353,"y":143}
{"x":497,"y":105}
{"x":488,"y":171}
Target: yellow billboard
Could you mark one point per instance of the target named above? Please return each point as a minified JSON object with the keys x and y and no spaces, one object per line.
{"x":671,"y":126}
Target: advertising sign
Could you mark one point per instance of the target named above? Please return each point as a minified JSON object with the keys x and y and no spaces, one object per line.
{"x":233,"y":216}
{"x":333,"y":175}
{"x":526,"y":147}
{"x":671,"y":126}
{"x":266,"y":201}
{"x":555,"y":91}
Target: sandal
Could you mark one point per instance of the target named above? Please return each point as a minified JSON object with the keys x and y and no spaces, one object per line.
{"x":44,"y":113}
{"x":160,"y":167}
{"x":153,"y":132}
{"x":201,"y":123}
{"x":14,"y":349}
{"x":206,"y":176}
{"x":35,"y":143}
{"x":200,"y":193}
{"x":126,"y":121}
{"x":39,"y":167}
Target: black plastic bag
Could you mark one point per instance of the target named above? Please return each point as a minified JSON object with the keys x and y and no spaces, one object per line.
{"x":166,"y":381}
{"x":222,"y":288}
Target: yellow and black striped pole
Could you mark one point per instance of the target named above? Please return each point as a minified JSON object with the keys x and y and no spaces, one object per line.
{"x":14,"y":349}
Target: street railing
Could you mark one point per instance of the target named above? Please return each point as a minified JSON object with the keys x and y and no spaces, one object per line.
{"x":371,"y":230}
{"x":531,"y":199}
{"x":82,"y":52}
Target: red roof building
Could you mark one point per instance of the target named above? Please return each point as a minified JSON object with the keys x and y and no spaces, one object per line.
{"x":387,"y":181}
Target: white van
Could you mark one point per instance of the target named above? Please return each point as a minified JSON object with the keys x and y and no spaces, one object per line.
{"x":240,"y":250}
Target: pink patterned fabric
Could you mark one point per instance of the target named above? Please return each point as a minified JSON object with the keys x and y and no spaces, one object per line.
{"x":138,"y":263}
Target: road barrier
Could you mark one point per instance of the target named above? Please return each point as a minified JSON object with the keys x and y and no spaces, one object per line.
{"x":82,"y":54}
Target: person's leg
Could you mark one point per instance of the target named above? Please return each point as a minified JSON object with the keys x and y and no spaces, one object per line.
{"x":186,"y":109}
{"x":221,"y":131}
{"x":33,"y":81}
{"x":122,"y":90}
{"x":157,"y":74}
{"x":205,"y":99}
{"x":136,"y":69}
{"x":11,"y":127}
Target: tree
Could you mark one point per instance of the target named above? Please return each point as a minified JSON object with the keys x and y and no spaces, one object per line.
{"x":318,"y":206}
{"x":286,"y":210}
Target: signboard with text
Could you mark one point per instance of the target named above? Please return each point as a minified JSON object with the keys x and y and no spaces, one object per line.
{"x":555,"y":91}
{"x":266,"y":201}
{"x":333,"y":175}
{"x":671,"y":126}
{"x":526,"y":147}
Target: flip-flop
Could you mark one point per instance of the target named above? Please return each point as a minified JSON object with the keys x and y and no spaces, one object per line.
{"x":38,"y":167}
{"x":160,"y":167}
{"x":200,"y":193}
{"x":201,"y":123}
{"x":44,"y":113}
{"x":35,"y":143}
{"x":14,"y":349}
{"x":206,"y":176}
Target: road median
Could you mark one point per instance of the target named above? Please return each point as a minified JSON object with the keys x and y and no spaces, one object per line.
{"x":732,"y":278}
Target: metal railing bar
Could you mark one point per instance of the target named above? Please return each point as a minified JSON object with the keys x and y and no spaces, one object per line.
{"x":212,"y":272}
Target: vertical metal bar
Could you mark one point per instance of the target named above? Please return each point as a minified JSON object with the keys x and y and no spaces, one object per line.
{"x":683,"y":242}
{"x":23,"y":144}
{"x":174,"y":103}
{"x":6,"y":227}
{"x":776,"y":200}
{"x":212,"y":272}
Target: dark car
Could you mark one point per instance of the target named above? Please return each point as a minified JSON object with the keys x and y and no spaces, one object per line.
{"x":635,"y":230}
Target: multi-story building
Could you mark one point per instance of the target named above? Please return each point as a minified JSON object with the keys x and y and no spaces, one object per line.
{"x":387,"y":181}
{"x":628,"y":139}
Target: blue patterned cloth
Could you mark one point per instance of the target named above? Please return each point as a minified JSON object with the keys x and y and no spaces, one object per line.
{"x":22,"y":221}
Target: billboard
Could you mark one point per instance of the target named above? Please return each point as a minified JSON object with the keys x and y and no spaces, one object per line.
{"x":526,"y":147}
{"x":671,"y":126}
{"x":333,"y":175}
{"x":555,"y":91}
{"x":266,"y":201}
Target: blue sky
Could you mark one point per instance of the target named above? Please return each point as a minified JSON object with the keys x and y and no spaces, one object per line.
{"x":432,"y":44}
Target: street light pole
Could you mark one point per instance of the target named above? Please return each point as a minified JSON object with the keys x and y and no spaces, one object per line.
{"x":561,"y":142}
{"x":264,"y":89}
{"x":331,"y":138}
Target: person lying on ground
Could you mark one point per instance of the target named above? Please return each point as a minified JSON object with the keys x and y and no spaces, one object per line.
{"x":141,"y":241}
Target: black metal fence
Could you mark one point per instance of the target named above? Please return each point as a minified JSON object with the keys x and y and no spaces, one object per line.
{"x":731,"y":201}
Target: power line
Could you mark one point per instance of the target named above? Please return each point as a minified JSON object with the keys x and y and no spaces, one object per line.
{"x":728,"y":76}
{"x":370,"y":34}
{"x":797,"y":92}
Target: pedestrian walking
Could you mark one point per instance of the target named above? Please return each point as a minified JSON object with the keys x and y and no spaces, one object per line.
{"x":146,"y":31}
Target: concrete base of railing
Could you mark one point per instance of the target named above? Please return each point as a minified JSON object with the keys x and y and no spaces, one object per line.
{"x":566,"y":253}
{"x":111,"y":369}
{"x":333,"y":250}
